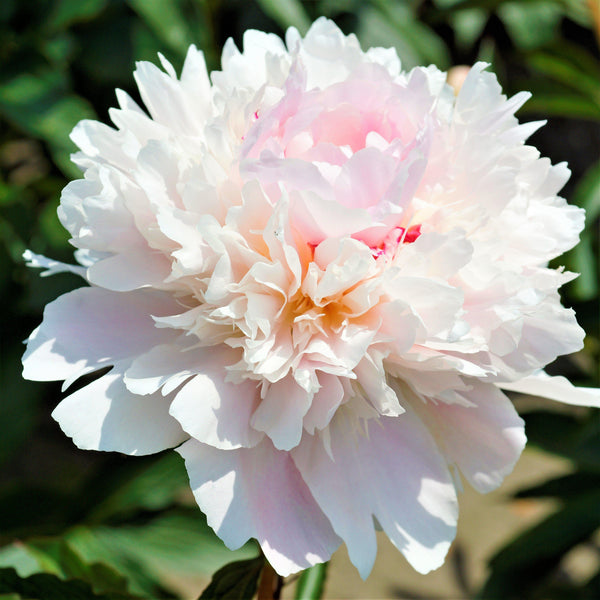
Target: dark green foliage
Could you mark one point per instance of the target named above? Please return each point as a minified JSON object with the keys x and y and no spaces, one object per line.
{"x":49,"y":587}
{"x":235,"y":581}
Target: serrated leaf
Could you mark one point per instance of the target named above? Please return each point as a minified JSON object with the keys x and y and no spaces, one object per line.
{"x":20,"y":557}
{"x":235,"y":581}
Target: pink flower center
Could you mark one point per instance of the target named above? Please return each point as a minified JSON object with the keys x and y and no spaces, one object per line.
{"x":397,"y":236}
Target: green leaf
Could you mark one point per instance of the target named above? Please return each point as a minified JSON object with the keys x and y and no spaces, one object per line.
{"x":573,"y":68}
{"x":176,"y":543}
{"x":311,"y":584}
{"x":565,"y":487}
{"x":19,"y":398}
{"x":123,"y":487}
{"x":564,"y":104}
{"x":529,"y":559}
{"x":587,"y":194}
{"x":66,"y":13}
{"x":286,"y":13}
{"x":44,"y":586}
{"x":235,"y":581}
{"x":468,"y":25}
{"x":101,"y":577}
{"x":530,"y":24}
{"x":41,"y":105}
{"x":20,"y":557}
{"x":567,"y":436}
{"x":167,"y":20}
{"x":27,"y":510}
{"x":395,"y":25}
{"x":583,"y":260}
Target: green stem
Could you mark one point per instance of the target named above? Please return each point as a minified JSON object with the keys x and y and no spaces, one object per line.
{"x":311,"y":584}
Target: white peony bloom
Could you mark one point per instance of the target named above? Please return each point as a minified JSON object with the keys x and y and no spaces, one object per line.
{"x":313,"y":273}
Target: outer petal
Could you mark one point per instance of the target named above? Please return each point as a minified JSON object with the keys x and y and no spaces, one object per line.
{"x":484,"y":440}
{"x":211,"y":409}
{"x":555,"y":388}
{"x":91,"y":328}
{"x":131,"y":270}
{"x":106,"y":416}
{"x":395,"y":474}
{"x":259,"y":493}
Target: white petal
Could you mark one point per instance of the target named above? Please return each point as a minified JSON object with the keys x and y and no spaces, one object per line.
{"x":281,"y":413}
{"x":395,"y":474}
{"x":259,"y":493}
{"x":165,"y":365}
{"x":106,"y":416}
{"x":324,"y":403}
{"x":38,"y":261}
{"x":215,"y":411}
{"x":484,"y":440}
{"x":555,"y":388}
{"x":90,"y":328}
{"x":130,"y":270}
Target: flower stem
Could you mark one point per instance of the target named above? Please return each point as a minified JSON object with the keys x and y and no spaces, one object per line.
{"x":311,"y":583}
{"x":269,"y":587}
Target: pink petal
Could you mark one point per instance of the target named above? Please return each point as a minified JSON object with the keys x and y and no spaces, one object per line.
{"x":325,"y":402}
{"x":130,"y":270}
{"x":259,"y":493}
{"x":484,"y":440}
{"x":90,"y":328}
{"x":104,"y":415}
{"x":554,"y":388}
{"x":281,"y":413}
{"x":396,"y":474}
{"x":213,"y":410}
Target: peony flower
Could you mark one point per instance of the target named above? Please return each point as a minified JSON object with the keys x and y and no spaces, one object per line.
{"x":313,"y":274}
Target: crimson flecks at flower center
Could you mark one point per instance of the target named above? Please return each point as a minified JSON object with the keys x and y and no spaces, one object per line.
{"x":397,"y":236}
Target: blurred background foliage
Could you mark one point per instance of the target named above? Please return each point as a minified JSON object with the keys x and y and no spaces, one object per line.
{"x":91,"y":525}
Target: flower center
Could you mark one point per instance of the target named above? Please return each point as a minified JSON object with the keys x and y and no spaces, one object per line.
{"x":397,"y":236}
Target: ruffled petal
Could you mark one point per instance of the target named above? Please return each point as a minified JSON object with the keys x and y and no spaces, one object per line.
{"x":484,"y":439}
{"x":281,"y":413}
{"x":91,"y":328}
{"x":105,"y":415}
{"x":214,"y":411}
{"x":259,"y":493}
{"x":395,"y":473}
